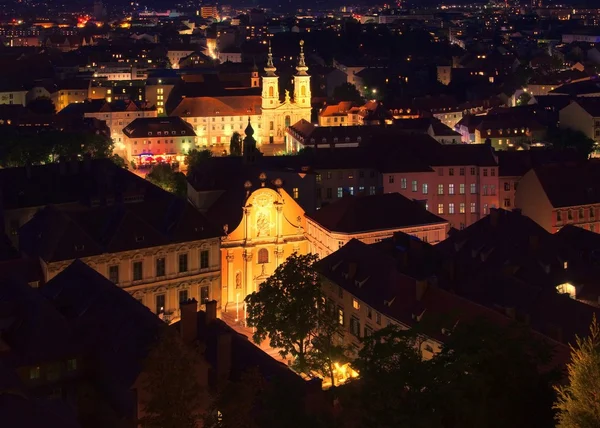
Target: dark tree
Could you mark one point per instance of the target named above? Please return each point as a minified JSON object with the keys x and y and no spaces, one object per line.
{"x":288,"y":308}
{"x":172,"y":382}
{"x":195,"y":159}
{"x":564,"y":139}
{"x":484,"y":375}
{"x":235,"y":144}
{"x":163,"y":176}
{"x":347,"y":92}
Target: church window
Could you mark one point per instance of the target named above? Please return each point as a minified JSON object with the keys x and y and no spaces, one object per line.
{"x":303,"y":91}
{"x":271,"y":126}
{"x":263,"y":256}
{"x":271,"y":91}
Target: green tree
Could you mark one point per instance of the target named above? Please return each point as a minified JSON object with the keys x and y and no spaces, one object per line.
{"x":347,"y":92}
{"x":396,"y":387}
{"x":578,"y":404}
{"x":563,"y":139}
{"x":235,"y":144}
{"x":195,"y":158}
{"x":171,"y":381}
{"x":163,"y":176}
{"x":119,"y":161}
{"x":484,"y":376}
{"x":288,"y":307}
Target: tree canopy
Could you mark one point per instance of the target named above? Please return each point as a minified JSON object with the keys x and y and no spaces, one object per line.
{"x":235,"y":144}
{"x":289,"y":308}
{"x":563,"y":139}
{"x":578,"y":404}
{"x":22,"y":148}
{"x":484,"y":375}
{"x":164,"y":176}
{"x":346,"y":92}
{"x":171,"y":380}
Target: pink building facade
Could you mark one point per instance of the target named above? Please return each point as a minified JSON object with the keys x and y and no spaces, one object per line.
{"x":461,"y":194}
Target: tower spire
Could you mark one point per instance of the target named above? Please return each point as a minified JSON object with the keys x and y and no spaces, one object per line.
{"x":270,"y":68}
{"x":301,"y":67}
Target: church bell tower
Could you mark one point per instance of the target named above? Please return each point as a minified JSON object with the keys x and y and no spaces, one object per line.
{"x":270,"y":81}
{"x":302,"y":95}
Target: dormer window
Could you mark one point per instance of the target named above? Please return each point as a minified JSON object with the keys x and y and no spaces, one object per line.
{"x":358,"y":139}
{"x":79,"y":247}
{"x":335,"y":139}
{"x":323,"y":140}
{"x":347,"y":139}
{"x":139,"y":238}
{"x":149,"y":134}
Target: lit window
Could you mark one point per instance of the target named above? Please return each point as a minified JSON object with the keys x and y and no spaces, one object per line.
{"x":355,"y":304}
{"x":440,"y":189}
{"x":440,"y":208}
{"x":403,"y":183}
{"x":340,"y":192}
{"x":461,"y":189}
{"x":450,"y":208}
{"x":473,"y":207}
{"x":340,"y":316}
{"x":424,"y":188}
{"x":462,"y":208}
{"x":451,"y":189}
{"x":295,"y":193}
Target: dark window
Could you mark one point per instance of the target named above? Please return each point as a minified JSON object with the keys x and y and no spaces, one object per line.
{"x":137,"y":271}
{"x":462,"y":171}
{"x":485,"y":172}
{"x":368,"y":331}
{"x":378,"y":318}
{"x":329,"y":193}
{"x":160,"y":267}
{"x":113,"y":274}
{"x":183,"y":263}
{"x":472,"y":171}
{"x":340,"y":292}
{"x":361,"y":174}
{"x":160,"y":303}
{"x":263,"y":256}
{"x":183,"y":295}
{"x":204,"y":293}
{"x":369,"y":312}
{"x":507,"y":187}
{"x":319,"y":193}
{"x":451,"y":171}
{"x":204,"y":259}
{"x":355,"y":326}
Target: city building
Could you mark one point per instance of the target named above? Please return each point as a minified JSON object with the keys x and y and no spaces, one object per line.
{"x":215,"y":118}
{"x":263,"y":223}
{"x":370,"y":219}
{"x":117,"y":115}
{"x":582,"y":115}
{"x":456,"y":182}
{"x":149,"y":140}
{"x":561,"y":194}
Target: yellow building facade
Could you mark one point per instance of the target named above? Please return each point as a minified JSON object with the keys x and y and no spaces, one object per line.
{"x":271,"y":229}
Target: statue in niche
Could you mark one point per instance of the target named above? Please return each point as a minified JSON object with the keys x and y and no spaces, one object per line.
{"x":238,"y":280}
{"x":287,"y":96}
{"x":262,"y":225}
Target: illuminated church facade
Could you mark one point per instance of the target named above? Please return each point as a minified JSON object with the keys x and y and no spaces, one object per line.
{"x":215,"y":119}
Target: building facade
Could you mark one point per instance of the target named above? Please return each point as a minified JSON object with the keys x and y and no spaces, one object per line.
{"x":215,"y":119}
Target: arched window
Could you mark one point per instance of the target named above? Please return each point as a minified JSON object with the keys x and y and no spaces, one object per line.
{"x":271,"y":92}
{"x":263,"y":256}
{"x":303,"y":91}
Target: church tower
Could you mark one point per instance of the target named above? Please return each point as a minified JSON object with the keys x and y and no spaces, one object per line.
{"x":270,"y":89}
{"x":302,"y":95}
{"x":250,"y":152}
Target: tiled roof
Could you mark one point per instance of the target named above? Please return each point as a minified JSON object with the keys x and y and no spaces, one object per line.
{"x":56,"y":233}
{"x":107,"y":324}
{"x":144,"y":127}
{"x":243,"y":105}
{"x":573,"y":184}
{"x":515,"y":163}
{"x":355,"y":214}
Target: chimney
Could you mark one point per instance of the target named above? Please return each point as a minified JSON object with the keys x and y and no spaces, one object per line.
{"x":223,"y":358}
{"x":421,"y":287}
{"x":211,"y":311}
{"x":352,"y":266}
{"x":189,"y":320}
{"x":494,"y":214}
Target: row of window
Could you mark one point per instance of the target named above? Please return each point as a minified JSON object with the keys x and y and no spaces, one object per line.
{"x":473,"y":171}
{"x":160,"y":300}
{"x":340,"y":175}
{"x":340,"y":191}
{"x":462,"y":207}
{"x":488,"y":190}
{"x":592,"y":214}
{"x":54,"y":370}
{"x":160,"y":267}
